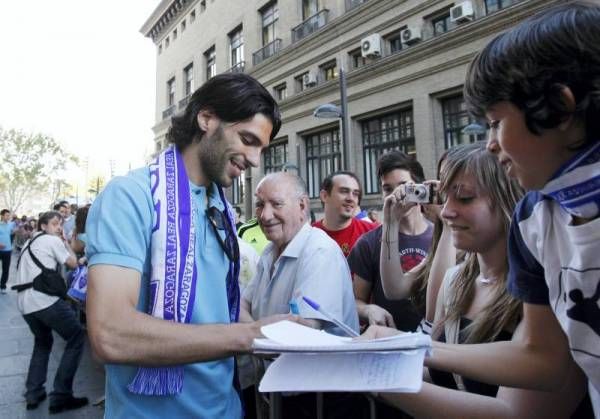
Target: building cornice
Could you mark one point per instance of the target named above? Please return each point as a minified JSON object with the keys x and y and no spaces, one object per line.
{"x":162,"y":17}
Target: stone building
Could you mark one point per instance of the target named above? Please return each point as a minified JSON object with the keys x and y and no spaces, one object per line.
{"x":403,"y":62}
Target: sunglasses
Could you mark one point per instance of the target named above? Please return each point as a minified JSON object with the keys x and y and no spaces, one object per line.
{"x":218,"y":220}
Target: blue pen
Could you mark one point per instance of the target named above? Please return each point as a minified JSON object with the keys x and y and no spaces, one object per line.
{"x":349,"y":331}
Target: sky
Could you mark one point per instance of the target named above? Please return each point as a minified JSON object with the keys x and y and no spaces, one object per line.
{"x":81,"y":72}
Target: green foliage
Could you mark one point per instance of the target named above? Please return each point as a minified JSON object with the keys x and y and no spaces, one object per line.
{"x":29,"y":164}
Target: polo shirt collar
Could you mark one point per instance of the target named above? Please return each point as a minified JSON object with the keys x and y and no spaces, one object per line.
{"x":297,"y":244}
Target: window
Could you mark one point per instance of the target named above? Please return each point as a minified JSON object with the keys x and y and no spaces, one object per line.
{"x":192,"y":16}
{"x":237,"y":190}
{"x":269,"y":16}
{"x":167,"y":42}
{"x":202,"y":6}
{"x":275,"y":156}
{"x":280,"y":91}
{"x":211,"y":63}
{"x":441,"y":24}
{"x":188,"y":77}
{"x":299,"y":82}
{"x":174,"y":34}
{"x":236,"y":46}
{"x":492,"y":6}
{"x":393,"y":131}
{"x":356,"y":59}
{"x":309,"y":8}
{"x":183,"y":25}
{"x":171,"y":92}
{"x":394,"y":42}
{"x":328,"y":71}
{"x":323,"y":157}
{"x":456,"y":118}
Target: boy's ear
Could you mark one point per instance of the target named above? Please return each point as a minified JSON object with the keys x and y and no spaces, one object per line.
{"x":568,"y":99}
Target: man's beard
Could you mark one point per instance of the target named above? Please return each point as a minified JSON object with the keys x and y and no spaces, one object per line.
{"x":213,"y":158}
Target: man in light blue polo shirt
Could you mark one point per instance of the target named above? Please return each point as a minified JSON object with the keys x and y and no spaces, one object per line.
{"x":6,"y":229}
{"x":226,"y":124}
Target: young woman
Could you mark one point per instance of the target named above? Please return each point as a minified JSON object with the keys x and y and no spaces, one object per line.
{"x":473,"y":304}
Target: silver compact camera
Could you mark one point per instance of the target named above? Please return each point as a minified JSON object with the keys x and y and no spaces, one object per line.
{"x":419,"y":193}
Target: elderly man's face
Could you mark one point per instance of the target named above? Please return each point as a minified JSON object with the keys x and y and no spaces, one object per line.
{"x":281,"y":213}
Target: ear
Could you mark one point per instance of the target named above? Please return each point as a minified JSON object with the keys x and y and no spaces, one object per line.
{"x":304,"y":207}
{"x":322,"y":195}
{"x":205,"y":120}
{"x":568,"y":98}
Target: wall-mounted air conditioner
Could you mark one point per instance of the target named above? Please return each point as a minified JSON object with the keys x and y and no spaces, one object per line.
{"x":309,"y":79}
{"x":411,"y":35}
{"x":371,"y":46}
{"x":462,"y":12}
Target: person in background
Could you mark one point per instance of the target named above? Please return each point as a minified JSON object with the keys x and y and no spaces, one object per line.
{"x":7,"y":228}
{"x":412,"y":240}
{"x":45,"y":314}
{"x":341,"y":194}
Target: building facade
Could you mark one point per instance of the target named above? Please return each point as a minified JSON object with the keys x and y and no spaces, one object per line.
{"x":403,"y":61}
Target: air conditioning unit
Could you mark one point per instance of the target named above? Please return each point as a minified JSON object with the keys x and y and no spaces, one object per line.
{"x":410,"y":35}
{"x":371,"y":46}
{"x":462,"y":12}
{"x":309,"y":79}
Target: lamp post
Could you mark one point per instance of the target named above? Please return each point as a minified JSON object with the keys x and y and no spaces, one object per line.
{"x":329,"y":110}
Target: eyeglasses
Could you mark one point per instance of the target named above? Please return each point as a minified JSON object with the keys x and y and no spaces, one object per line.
{"x":218,"y":220}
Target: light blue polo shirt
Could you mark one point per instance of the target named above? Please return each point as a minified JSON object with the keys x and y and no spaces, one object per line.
{"x":5,"y":230}
{"x":118,"y":233}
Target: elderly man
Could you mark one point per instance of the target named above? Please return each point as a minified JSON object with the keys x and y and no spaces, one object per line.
{"x":300,"y":260}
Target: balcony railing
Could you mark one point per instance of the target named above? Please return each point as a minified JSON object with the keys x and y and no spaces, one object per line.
{"x":169,"y":111}
{"x":183,"y":102}
{"x":310,"y":25}
{"x":267,"y":51}
{"x":238,"y":68}
{"x":351,"y":4}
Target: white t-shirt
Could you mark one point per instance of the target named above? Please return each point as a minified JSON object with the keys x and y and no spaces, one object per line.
{"x":50,"y":251}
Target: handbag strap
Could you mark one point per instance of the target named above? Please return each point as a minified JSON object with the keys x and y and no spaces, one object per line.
{"x":35,"y":260}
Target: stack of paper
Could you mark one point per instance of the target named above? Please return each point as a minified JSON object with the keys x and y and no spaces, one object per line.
{"x":313,"y":360}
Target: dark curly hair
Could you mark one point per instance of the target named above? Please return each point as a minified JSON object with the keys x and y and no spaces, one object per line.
{"x":232,"y":97}
{"x":530,"y":64}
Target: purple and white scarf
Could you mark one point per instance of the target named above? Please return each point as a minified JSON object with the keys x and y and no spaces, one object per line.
{"x":174,"y":275}
{"x":576,"y":186}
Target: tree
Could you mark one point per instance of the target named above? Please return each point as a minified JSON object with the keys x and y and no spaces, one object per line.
{"x":29,"y":164}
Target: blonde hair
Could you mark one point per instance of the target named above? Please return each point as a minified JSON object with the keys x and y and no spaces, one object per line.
{"x":503,"y":312}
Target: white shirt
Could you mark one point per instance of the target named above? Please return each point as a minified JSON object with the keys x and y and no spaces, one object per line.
{"x":50,"y":251}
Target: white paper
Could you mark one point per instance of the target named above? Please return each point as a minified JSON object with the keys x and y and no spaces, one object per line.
{"x":390,"y":372}
{"x":294,"y":334}
{"x":286,"y":336}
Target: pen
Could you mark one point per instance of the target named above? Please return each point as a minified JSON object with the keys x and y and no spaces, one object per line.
{"x":349,"y":331}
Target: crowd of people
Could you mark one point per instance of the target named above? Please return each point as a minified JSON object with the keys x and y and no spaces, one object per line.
{"x":496,"y":262}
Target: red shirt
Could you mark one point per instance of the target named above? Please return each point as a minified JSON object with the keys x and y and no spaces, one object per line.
{"x":346,"y":237}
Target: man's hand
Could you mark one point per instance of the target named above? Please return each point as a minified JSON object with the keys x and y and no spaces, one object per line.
{"x":378,"y":315}
{"x":375,"y":332}
{"x":2,"y":246}
{"x":395,"y":207}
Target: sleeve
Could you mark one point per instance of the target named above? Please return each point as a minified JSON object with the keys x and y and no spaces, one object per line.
{"x":361,"y":259}
{"x":59,"y":251}
{"x":119,"y":225}
{"x":525,"y":274}
{"x":322,"y":276}
{"x":250,"y":289}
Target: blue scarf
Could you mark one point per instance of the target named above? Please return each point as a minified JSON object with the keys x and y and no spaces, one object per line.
{"x":576,"y":185}
{"x":173,"y":277}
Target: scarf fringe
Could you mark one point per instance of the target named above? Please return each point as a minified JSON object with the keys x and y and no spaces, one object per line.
{"x":157,"y":381}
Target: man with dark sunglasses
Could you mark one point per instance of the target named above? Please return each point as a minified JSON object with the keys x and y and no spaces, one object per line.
{"x":163,"y":297}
